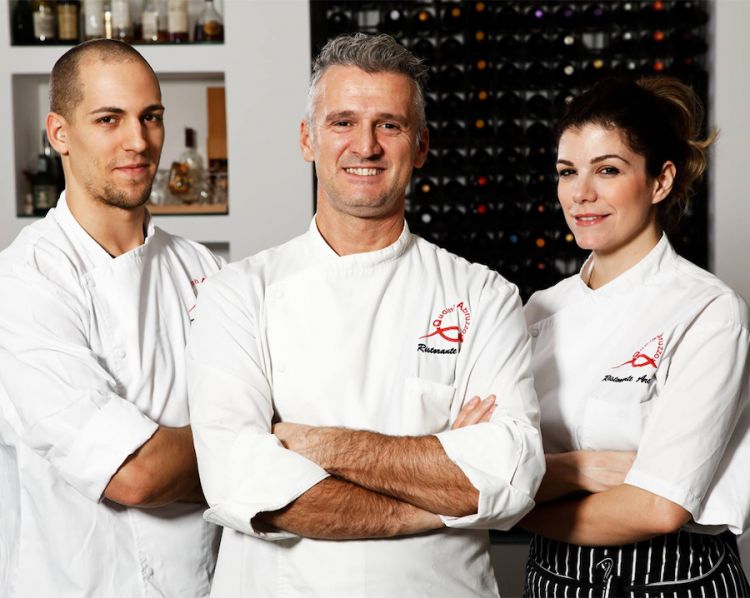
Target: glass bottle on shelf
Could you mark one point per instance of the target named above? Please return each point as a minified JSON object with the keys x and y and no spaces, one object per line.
{"x":136,"y":19}
{"x":22,"y":22}
{"x":45,"y":182}
{"x":177,"y":21}
{"x":122,"y":24}
{"x":107,"y":19}
{"x":45,"y":25}
{"x":209,"y":27}
{"x":153,"y":22}
{"x":93,"y":19}
{"x":186,"y":174}
{"x":68,"y":12}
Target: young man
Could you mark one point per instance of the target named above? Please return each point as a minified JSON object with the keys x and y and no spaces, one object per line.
{"x":99,"y":483}
{"x":361,"y":343}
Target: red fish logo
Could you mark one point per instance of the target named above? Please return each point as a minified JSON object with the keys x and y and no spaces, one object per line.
{"x":452,"y":323}
{"x":641,"y":357}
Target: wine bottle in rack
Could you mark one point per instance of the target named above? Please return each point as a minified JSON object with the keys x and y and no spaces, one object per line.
{"x":567,"y":75}
{"x":689,"y":13}
{"x":539,"y":106}
{"x":393,"y":21}
{"x":537,"y":76}
{"x":338,"y":22}
{"x":627,"y":15}
{"x":122,"y":24}
{"x":480,"y":129}
{"x":423,"y":22}
{"x":537,"y":47}
{"x":453,"y":163}
{"x":596,"y":17}
{"x":453,"y":18}
{"x":154,"y":22}
{"x":454,"y":191}
{"x":509,"y":47}
{"x":451,"y":78}
{"x":425,"y":49}
{"x":481,"y":161}
{"x":481,"y":102}
{"x":568,"y":44}
{"x":509,"y":77}
{"x":536,"y":16}
{"x":453,"y":131}
{"x":478,"y":41}
{"x":509,"y":105}
{"x":509,"y":135}
{"x":507,"y":17}
{"x":654,"y":15}
{"x":566,"y":18}
{"x":451,"y":50}
{"x":480,"y":73}
{"x":510,"y":161}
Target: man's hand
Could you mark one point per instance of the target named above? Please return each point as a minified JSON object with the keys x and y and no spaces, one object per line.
{"x":475,"y":411}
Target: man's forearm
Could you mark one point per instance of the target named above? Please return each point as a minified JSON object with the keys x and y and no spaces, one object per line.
{"x":338,"y":510}
{"x":414,"y":469}
{"x":161,"y":471}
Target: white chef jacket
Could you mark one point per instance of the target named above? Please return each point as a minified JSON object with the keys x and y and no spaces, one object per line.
{"x":91,"y":361}
{"x":392,"y":341}
{"x":655,"y":361}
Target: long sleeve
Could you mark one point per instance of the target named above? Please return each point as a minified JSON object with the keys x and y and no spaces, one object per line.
{"x":55,"y":391}
{"x":244,"y":468}
{"x":503,"y":458}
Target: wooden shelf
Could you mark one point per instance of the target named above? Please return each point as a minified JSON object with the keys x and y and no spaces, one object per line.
{"x":188,"y":209}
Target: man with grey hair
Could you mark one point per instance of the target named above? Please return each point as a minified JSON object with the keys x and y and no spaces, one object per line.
{"x":334,"y":381}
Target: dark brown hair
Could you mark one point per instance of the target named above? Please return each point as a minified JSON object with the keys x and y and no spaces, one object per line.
{"x":661,"y":120}
{"x":65,"y":92}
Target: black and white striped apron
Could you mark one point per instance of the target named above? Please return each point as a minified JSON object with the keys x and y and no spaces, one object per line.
{"x":677,"y":565}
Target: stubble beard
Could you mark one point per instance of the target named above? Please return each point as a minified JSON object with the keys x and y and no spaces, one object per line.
{"x":119,"y":199}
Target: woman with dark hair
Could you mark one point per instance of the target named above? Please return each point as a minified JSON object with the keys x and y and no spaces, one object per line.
{"x":641,"y":365}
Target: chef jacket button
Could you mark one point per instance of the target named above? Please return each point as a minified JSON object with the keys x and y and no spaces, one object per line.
{"x":534,"y":332}
{"x":147,"y":571}
{"x":122,"y":354}
{"x":278,"y":294}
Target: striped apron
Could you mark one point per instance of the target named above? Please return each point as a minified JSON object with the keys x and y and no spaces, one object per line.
{"x":677,"y":565}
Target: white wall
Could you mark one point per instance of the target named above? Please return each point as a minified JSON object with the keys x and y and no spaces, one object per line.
{"x":731,"y":168}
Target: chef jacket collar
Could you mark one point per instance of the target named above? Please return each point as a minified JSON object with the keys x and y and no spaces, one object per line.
{"x":322,"y":250}
{"x":636,"y":276}
{"x":95,"y":251}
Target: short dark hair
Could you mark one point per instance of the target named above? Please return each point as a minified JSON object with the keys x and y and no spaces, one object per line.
{"x":373,"y":54}
{"x":65,"y":91}
{"x":661,"y":120}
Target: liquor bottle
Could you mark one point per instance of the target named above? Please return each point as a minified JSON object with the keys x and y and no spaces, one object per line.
{"x":209,"y":27}
{"x":627,"y":15}
{"x":595,"y":70}
{"x":68,"y":18}
{"x":626,"y":43}
{"x":122,"y":24}
{"x":154,"y":22}
{"x":654,"y":15}
{"x":453,"y":18}
{"x":478,"y":14}
{"x":23,"y":24}
{"x":567,"y":75}
{"x":45,"y":25}
{"x":93,"y":19}
{"x":44,"y":182}
{"x":186,"y":174}
{"x":480,"y":73}
{"x":478,"y":41}
{"x":177,"y":21}
{"x":480,"y":128}
{"x":656,"y":43}
{"x":136,"y":18}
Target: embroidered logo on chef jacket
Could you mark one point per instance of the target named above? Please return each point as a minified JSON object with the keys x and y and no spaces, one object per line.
{"x":194,"y":282}
{"x":646,"y":357}
{"x":450,"y":325}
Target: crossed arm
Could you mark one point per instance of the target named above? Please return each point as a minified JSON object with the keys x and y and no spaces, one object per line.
{"x":383,"y":485}
{"x":161,"y":471}
{"x":583,"y":500}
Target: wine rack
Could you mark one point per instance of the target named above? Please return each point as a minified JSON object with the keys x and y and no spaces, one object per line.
{"x":501,"y":73}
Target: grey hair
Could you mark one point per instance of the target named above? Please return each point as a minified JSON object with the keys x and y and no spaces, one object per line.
{"x":373,"y":54}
